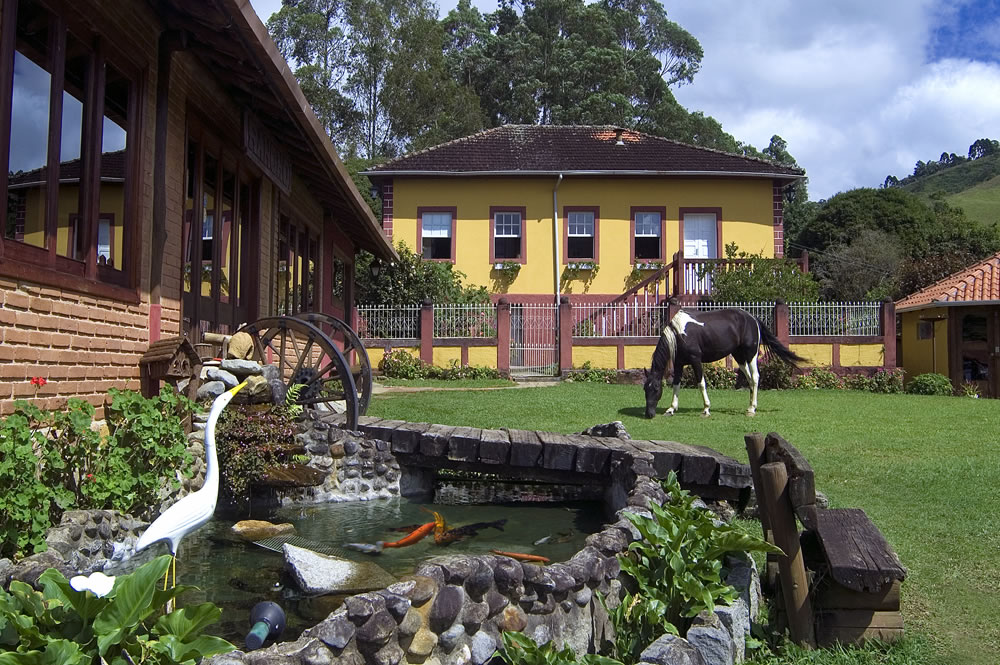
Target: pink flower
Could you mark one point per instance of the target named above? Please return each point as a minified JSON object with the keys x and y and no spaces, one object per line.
{"x":38,"y":381}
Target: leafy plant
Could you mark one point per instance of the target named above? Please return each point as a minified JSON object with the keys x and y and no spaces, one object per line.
{"x":930,"y":384}
{"x":675,"y":570}
{"x":716,"y":377}
{"x":582,"y":270}
{"x":826,"y":378}
{"x":889,"y":381}
{"x":592,"y":374}
{"x":292,"y":399}
{"x":64,"y":626}
{"x":399,"y":364}
{"x":251,"y":440}
{"x":775,"y":374}
{"x":519,"y":649}
{"x":758,"y":278}
{"x":970,"y":389}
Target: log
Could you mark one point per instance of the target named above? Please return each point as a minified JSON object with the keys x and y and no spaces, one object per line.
{"x":857,"y":553}
{"x":757,"y":456}
{"x":525,"y":447}
{"x":494,"y":447}
{"x":558,"y":451}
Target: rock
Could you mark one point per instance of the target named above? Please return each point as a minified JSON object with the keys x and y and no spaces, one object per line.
{"x":583,"y":596}
{"x":254,"y":530}
{"x":712,"y":640}
{"x":335,"y":632}
{"x":256,"y":392}
{"x":211,"y":390}
{"x":240,"y":347}
{"x":736,"y":619}
{"x":390,"y":654}
{"x":216,"y":374}
{"x":396,"y":604}
{"x":422,"y":644}
{"x":318,"y":573}
{"x":480,"y":581}
{"x":450,"y":638}
{"x":278,"y":390}
{"x":671,"y":650}
{"x":411,"y":623}
{"x":270,"y":372}
{"x":61,"y":539}
{"x":351,"y":447}
{"x":614,"y":429}
{"x":336,"y":450}
{"x":29,"y":569}
{"x":496,"y":601}
{"x":474,"y":614}
{"x":446,"y":607}
{"x":6,"y":570}
{"x":513,"y":619}
{"x":508,"y":575}
{"x":424,"y":589}
{"x":361,"y":608}
{"x":482,"y":647}
{"x":375,"y":633}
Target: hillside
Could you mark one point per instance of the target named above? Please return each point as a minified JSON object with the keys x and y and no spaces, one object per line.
{"x":973,"y":186}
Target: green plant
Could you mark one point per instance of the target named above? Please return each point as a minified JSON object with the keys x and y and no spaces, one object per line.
{"x":826,"y":378}
{"x":250,"y":441}
{"x":292,"y":399}
{"x":587,"y":372}
{"x":400,"y":364}
{"x":675,"y":570}
{"x":519,"y":649}
{"x":775,"y":374}
{"x":63,"y":626}
{"x":585,"y":271}
{"x":970,"y":389}
{"x":930,"y":384}
{"x":888,"y":381}
{"x":716,"y":377}
{"x":804,"y":381}
{"x":758,"y":278}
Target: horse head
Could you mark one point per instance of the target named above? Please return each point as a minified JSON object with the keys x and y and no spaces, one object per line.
{"x":653,"y":386}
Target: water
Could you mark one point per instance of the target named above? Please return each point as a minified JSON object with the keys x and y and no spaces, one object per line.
{"x":237,"y":575}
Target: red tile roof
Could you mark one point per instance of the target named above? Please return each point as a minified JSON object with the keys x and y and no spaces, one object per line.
{"x":977,"y":283}
{"x":112,"y":170}
{"x":551,"y":149}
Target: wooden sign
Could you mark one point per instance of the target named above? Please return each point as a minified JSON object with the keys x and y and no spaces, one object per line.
{"x":262,"y":148}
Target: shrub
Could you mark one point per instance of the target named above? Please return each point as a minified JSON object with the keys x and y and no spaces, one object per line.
{"x":519,"y":649}
{"x":858,"y":381}
{"x":250,"y":440}
{"x":970,"y":389}
{"x":826,"y":379}
{"x":775,"y":374}
{"x":930,"y":384}
{"x":716,"y":377}
{"x":887,"y":381}
{"x":590,"y":374}
{"x":805,"y":381}
{"x":676,"y":570}
{"x":399,"y":364}
{"x":70,"y":627}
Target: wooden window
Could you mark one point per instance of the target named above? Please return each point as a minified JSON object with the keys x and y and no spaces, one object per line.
{"x":647,"y":234}
{"x":69,"y":112}
{"x":298,"y":263}
{"x":436,"y":233}
{"x":580,"y":233}
{"x":507,"y":235}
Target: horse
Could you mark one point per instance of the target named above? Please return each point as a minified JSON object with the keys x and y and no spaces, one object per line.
{"x":693,"y":338}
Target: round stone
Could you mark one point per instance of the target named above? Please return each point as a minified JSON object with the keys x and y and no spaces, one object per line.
{"x":446,"y":607}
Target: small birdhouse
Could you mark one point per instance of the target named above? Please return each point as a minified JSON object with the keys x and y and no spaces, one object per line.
{"x":172,"y":359}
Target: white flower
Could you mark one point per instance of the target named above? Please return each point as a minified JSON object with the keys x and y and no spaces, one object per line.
{"x":98,"y":583}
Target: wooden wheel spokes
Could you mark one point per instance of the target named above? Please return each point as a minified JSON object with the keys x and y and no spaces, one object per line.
{"x":353,"y":350}
{"x":306,"y":355}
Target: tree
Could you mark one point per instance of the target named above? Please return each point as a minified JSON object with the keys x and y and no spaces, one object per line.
{"x":983,"y":147}
{"x":411,"y":280}
{"x":863,"y":269}
{"x":758,"y":278}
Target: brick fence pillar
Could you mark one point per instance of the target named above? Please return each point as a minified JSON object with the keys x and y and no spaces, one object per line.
{"x":427,"y":332}
{"x":565,"y":336}
{"x":889,"y":334}
{"x":781,"y":323}
{"x":503,"y":337}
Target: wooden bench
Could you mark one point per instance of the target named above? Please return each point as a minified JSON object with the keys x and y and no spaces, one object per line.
{"x":840,"y":579}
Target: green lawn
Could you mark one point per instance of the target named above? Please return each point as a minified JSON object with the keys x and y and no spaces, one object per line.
{"x":441,"y":383}
{"x":926,"y":469}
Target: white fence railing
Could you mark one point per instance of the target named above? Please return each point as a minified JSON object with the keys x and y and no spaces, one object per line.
{"x":389,"y":322}
{"x":835,"y":318}
{"x":760,"y":310}
{"x":634,"y":319}
{"x":477,"y":321}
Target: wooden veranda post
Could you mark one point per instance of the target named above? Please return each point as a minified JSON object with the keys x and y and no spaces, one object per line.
{"x":794,"y":583}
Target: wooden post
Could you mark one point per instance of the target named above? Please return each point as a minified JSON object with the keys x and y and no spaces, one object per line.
{"x":678,"y":273}
{"x":565,"y":336}
{"x":427,"y":332}
{"x":755,"y":452}
{"x":804,"y":260}
{"x":781,"y":323}
{"x":503,"y":337}
{"x":794,"y":583}
{"x":889,"y":334}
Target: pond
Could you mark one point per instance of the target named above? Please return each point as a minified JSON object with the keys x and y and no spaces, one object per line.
{"x":237,"y":575}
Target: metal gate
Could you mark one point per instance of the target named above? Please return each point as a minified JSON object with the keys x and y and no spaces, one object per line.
{"x":534,"y":335}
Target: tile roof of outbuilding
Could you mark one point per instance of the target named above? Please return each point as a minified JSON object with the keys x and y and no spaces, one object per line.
{"x":977,"y":283}
{"x":550,"y":149}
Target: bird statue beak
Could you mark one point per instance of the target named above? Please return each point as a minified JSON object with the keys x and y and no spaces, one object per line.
{"x":233,"y":391}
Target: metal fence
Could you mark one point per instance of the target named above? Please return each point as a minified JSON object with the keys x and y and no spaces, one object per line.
{"x":534,"y":350}
{"x":835,"y":318}
{"x":761,"y":310}
{"x":478,"y":321}
{"x":635,"y":319}
{"x":389,"y":322}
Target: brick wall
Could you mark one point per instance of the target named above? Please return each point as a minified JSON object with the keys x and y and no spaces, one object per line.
{"x":387,"y":210}
{"x":779,"y":220}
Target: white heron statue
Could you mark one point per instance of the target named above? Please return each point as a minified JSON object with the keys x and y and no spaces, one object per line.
{"x":196,"y":508}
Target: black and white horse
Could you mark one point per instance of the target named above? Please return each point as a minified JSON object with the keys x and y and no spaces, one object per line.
{"x":693,"y":338}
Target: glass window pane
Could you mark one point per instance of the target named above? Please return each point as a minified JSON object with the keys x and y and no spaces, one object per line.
{"x":228,"y":197}
{"x":647,"y":224}
{"x":507,"y":225}
{"x":29,"y":130}
{"x":436,"y":224}
{"x":192,"y":175}
{"x":114,"y":161}
{"x":581,"y":223}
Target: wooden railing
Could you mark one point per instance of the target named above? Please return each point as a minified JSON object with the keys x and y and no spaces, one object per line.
{"x":692,"y":277}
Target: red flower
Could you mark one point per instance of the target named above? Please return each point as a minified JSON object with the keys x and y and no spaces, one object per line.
{"x":38,"y":381}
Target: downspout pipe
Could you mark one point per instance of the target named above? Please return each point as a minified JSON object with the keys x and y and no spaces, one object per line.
{"x":555,"y":234}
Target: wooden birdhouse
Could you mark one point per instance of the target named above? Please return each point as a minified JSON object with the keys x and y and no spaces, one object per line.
{"x":172,"y":359}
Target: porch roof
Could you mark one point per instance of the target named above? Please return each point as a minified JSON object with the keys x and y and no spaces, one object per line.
{"x":230,"y":39}
{"x":600,"y":150}
{"x":976,"y":284}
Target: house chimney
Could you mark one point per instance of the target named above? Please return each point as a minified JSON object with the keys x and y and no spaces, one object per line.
{"x":618,"y":136}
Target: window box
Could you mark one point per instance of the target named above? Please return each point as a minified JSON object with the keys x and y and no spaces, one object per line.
{"x":648,"y":265}
{"x":581,"y":265}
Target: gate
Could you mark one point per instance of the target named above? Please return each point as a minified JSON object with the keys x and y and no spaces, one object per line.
{"x":534,"y":335}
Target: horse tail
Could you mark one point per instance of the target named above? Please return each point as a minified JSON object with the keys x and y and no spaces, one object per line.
{"x":774,"y":345}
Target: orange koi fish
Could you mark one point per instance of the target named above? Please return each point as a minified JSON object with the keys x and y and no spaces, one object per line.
{"x":414,"y":537}
{"x":521,"y":556}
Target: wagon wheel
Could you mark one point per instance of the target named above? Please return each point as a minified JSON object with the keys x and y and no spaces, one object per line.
{"x":362,"y":369}
{"x":305,"y":354}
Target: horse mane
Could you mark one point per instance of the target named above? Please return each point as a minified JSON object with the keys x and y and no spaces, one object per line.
{"x":666,"y":350}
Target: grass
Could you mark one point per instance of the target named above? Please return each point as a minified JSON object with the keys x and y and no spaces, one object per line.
{"x":446,"y":384}
{"x":981,"y":203}
{"x":924,"y":468}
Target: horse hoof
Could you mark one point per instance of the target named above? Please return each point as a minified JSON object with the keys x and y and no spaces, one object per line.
{"x":751,"y":414}
{"x":705,"y":414}
{"x":669,"y":412}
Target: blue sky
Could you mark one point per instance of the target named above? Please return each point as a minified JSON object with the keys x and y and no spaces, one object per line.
{"x":858,"y":88}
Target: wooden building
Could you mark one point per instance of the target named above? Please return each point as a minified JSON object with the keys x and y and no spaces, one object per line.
{"x":165,"y":175}
{"x":952,"y":327}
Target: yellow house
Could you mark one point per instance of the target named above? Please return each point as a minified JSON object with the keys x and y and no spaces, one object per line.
{"x":952,"y":327}
{"x":588,"y":212}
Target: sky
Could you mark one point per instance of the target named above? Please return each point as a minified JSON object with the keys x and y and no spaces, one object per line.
{"x":859,"y":89}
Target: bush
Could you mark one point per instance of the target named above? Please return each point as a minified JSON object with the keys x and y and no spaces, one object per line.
{"x":54,"y":461}
{"x":775,"y":374}
{"x":251,"y":440}
{"x":805,"y":381}
{"x":399,"y":364}
{"x":78,"y":627}
{"x":519,"y":649}
{"x":716,"y":377}
{"x":826,"y":379}
{"x":590,"y":374}
{"x":888,"y":381}
{"x":930,"y":384}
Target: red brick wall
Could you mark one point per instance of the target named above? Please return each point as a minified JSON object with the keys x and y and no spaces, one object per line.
{"x":779,"y":220}
{"x":387,"y":209}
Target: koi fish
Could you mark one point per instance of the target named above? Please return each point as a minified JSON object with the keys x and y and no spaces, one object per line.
{"x":458,"y":533}
{"x":415,"y":536}
{"x":521,"y":556}
{"x":407,"y":528}
{"x":367,"y":548}
{"x":542,"y":540}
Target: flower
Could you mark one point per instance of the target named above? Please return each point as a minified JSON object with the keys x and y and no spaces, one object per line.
{"x":38,"y":381}
{"x":98,"y":583}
